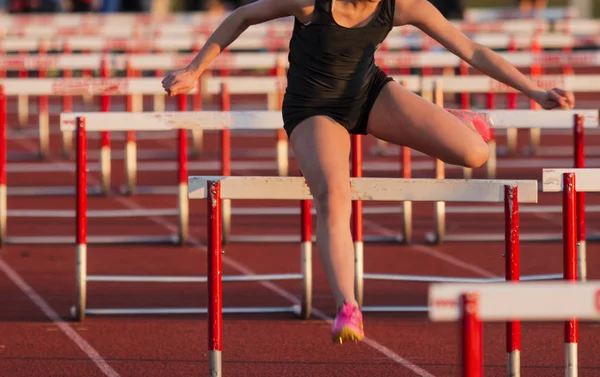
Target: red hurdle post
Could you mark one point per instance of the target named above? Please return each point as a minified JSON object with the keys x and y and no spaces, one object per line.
{"x":43,"y":117}
{"x":306,"y":255}
{"x":570,"y":268}
{"x":183,"y":177}
{"x":215,"y":287}
{"x":512,"y":271}
{"x":357,"y":220}
{"x":405,"y":172}
{"x":130,"y":145}
{"x":225,"y":133}
{"x":226,"y":158}
{"x":81,"y":217}
{"x":105,"y":136}
{"x":472,"y":337}
{"x":580,"y":198}
{"x":3,"y":152}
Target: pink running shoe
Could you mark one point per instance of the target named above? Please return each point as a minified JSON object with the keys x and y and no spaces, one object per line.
{"x":348,"y":324}
{"x":479,"y":121}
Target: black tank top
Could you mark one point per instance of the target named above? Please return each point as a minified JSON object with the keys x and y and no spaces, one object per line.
{"x":330,"y":64}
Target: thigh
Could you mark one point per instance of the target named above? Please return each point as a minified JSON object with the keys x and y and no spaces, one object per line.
{"x":321,"y":148}
{"x":403,"y":118}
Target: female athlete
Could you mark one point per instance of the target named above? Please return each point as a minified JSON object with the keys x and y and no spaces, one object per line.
{"x":335,"y":89}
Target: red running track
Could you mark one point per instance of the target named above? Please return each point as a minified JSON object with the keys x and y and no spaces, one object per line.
{"x":38,"y":288}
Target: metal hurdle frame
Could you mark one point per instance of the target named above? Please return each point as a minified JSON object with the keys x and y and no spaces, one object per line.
{"x":166,"y":121}
{"x":504,"y":119}
{"x":105,"y":87}
{"x":472,"y":304}
{"x":574,"y":183}
{"x":216,"y":189}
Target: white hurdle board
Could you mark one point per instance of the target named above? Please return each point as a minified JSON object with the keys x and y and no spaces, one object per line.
{"x":367,"y":189}
{"x":535,"y":301}
{"x":586,"y":179}
{"x":508,"y":302}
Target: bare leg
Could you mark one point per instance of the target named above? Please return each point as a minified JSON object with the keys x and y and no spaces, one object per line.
{"x":322,"y":148}
{"x":403,"y":118}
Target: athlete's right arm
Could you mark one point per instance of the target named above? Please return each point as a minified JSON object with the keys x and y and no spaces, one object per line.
{"x":236,"y":23}
{"x":183,"y":81}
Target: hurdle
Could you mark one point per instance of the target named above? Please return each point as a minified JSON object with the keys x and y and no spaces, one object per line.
{"x":574,"y":183}
{"x":471,"y":305}
{"x":502,"y":119}
{"x":215,"y":189}
{"x":81,"y":213}
{"x":445,"y":302}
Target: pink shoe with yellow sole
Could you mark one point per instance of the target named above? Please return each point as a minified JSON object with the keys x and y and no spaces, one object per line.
{"x":348,"y":325}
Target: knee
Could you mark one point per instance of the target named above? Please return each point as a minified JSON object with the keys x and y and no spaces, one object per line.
{"x":477,"y":155}
{"x":333,"y":201}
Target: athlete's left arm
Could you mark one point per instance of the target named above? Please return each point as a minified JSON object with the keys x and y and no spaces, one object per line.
{"x":423,"y":15}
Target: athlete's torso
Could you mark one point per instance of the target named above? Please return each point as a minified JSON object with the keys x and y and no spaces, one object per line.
{"x":332,"y":64}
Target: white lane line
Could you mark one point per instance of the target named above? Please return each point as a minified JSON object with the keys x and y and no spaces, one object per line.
{"x":55,"y":318}
{"x":246,"y":270}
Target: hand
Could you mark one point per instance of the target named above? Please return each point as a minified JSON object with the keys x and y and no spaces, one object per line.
{"x":179,"y":82}
{"x":555,"y":99}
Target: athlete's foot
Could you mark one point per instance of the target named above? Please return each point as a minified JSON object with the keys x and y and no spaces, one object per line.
{"x":480,"y":122}
{"x":348,"y":324}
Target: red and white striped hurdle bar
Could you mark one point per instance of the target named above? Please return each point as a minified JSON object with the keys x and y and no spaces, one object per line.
{"x":473,"y":304}
{"x":216,"y":189}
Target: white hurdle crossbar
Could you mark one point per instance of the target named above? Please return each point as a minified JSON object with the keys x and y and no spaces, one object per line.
{"x":216,"y":189}
{"x":472,"y":304}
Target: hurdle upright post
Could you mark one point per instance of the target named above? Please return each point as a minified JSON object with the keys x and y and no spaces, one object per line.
{"x":472,"y":337}
{"x":357,"y":222}
{"x":105,"y":159}
{"x":130,"y":142}
{"x":215,"y":286}
{"x":226,"y":161}
{"x":3,"y":152}
{"x":570,"y":268}
{"x":579,"y":153}
{"x":440,"y":173}
{"x":81,"y":218}
{"x":512,"y":271}
{"x":182,"y":198}
{"x":306,"y":257}
{"x":43,"y":113}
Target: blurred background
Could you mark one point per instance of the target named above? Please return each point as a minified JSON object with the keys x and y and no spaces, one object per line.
{"x":450,"y":8}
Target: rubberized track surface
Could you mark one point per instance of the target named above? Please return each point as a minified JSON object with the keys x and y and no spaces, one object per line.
{"x":37,"y":285}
